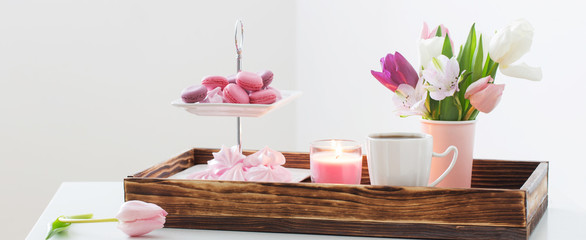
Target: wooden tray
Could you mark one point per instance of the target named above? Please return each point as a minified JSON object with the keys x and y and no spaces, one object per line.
{"x":506,"y":201}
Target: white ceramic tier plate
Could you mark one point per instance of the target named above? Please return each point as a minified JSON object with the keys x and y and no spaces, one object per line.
{"x":236,"y":110}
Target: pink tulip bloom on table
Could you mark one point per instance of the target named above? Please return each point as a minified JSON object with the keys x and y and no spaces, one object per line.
{"x":137,"y":218}
{"x":484,"y":95}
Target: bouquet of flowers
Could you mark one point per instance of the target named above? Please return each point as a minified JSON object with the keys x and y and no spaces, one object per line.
{"x":456,"y":88}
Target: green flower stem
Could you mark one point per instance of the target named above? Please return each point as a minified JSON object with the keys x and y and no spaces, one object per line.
{"x":73,"y":220}
{"x":469,"y":113}
{"x":81,"y":216}
{"x":491,"y":72}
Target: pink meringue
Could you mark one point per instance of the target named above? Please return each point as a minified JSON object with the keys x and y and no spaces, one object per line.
{"x":225,"y":159}
{"x":266,"y":156}
{"x":236,"y":173}
{"x":264,"y":173}
{"x":229,"y":164}
{"x":214,"y":96}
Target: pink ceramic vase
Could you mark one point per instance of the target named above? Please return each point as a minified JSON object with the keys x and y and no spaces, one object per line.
{"x":459,"y":134}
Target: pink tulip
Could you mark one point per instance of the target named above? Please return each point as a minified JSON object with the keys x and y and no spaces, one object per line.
{"x":426,"y":34}
{"x":484,"y":95}
{"x":137,"y":218}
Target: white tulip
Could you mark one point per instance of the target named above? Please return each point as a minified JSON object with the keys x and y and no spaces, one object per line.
{"x":508,"y":45}
{"x":429,"y":49}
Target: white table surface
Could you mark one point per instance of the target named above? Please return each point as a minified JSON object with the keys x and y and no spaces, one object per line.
{"x":563,"y":219}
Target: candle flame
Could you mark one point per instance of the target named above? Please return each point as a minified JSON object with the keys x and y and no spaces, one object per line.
{"x":338,"y":148}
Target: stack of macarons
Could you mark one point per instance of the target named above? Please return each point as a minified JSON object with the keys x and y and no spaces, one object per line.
{"x":242,"y":88}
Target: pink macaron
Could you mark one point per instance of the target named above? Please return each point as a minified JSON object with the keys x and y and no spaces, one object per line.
{"x":193,"y":94}
{"x":249,"y":81}
{"x":277,"y":92}
{"x":266,"y":96}
{"x":233,"y":93}
{"x":267,"y":78}
{"x":212,"y":82}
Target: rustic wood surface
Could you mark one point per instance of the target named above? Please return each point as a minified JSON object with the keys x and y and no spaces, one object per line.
{"x":536,"y":188}
{"x":170,"y":167}
{"x":534,"y":220}
{"x":350,"y":228}
{"x":501,"y":174}
{"x":333,"y":201}
{"x":495,"y":208}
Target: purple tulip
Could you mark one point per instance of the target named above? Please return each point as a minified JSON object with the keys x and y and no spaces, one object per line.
{"x":396,"y":70}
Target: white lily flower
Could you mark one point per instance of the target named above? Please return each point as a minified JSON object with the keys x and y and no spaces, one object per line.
{"x":409,"y":100}
{"x":442,"y":77}
{"x":508,"y":45}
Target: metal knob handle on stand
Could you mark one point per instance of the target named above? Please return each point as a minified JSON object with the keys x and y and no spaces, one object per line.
{"x":239,"y":45}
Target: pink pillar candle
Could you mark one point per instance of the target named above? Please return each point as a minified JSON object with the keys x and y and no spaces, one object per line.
{"x":336,"y":161}
{"x":331,"y":168}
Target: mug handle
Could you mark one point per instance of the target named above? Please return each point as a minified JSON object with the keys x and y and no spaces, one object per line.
{"x":440,"y":178}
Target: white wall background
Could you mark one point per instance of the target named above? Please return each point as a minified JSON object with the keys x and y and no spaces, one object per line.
{"x":86,"y":86}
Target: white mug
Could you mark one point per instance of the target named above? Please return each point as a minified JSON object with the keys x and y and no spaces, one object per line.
{"x":403,"y":159}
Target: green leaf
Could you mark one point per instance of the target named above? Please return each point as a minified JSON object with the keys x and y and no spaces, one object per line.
{"x":474,"y":74}
{"x":450,"y":109}
{"x":487,"y":65}
{"x":447,"y":48}
{"x":438,"y":32}
{"x":58,"y":226}
{"x":477,"y":61}
{"x":465,"y":58}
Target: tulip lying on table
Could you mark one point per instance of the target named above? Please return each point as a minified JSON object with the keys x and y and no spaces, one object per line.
{"x":135,"y":218}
